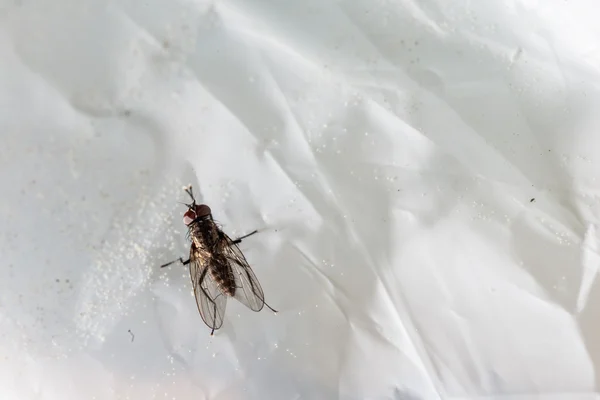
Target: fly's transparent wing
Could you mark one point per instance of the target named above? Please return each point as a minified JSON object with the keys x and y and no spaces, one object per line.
{"x":248,"y":290}
{"x":209,"y":298}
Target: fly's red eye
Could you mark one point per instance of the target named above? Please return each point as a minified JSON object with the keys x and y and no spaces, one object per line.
{"x":189,"y":216}
{"x":202,"y":210}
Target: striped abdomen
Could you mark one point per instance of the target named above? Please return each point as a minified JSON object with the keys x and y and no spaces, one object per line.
{"x":222,"y":275}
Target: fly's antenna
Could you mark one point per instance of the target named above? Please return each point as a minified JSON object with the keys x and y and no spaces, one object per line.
{"x":188,"y":190}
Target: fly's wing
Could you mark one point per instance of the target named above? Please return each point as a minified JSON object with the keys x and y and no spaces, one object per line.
{"x":209,"y":298}
{"x":248,"y":290}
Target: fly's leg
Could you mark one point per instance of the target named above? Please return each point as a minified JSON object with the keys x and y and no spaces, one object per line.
{"x":200,"y":280}
{"x":180,"y":259}
{"x":238,"y":240}
{"x":271,"y":308}
{"x":212,"y":332}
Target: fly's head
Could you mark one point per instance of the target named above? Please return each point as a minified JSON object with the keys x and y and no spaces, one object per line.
{"x":195,"y":211}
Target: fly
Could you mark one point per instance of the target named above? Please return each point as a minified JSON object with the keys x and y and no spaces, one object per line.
{"x":218,"y":268}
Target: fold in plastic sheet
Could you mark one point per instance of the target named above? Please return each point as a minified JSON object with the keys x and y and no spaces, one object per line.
{"x":423,"y":176}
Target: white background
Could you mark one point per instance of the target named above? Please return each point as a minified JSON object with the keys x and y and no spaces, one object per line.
{"x":423,"y":176}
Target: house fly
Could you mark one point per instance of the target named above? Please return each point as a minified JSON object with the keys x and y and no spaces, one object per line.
{"x":218,"y":268}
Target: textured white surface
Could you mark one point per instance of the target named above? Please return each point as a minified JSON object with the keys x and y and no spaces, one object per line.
{"x":423,"y":175}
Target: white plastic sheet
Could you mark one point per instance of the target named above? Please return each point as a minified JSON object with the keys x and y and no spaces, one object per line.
{"x":422,"y":174}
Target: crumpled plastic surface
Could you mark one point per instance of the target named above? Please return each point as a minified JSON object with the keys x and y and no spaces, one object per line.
{"x":423,"y":176}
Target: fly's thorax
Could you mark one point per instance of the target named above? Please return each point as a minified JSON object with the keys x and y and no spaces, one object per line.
{"x":204,"y":233}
